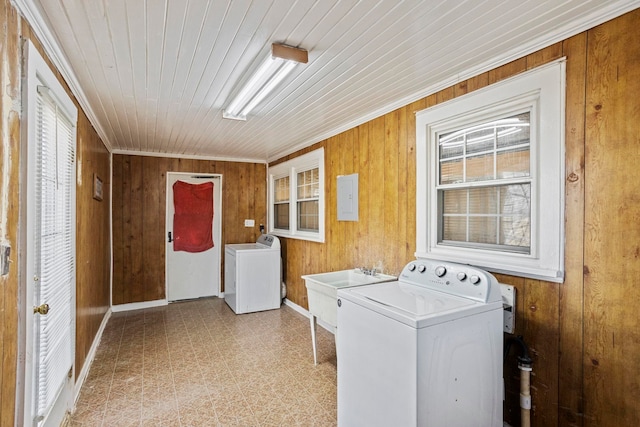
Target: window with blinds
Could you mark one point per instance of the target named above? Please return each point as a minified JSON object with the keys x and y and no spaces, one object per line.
{"x":484,"y":188}
{"x":490,"y":176}
{"x":54,"y":242}
{"x":296,"y":197}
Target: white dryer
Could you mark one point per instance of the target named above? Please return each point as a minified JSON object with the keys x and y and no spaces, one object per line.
{"x":425,"y":350}
{"x":252,"y":273}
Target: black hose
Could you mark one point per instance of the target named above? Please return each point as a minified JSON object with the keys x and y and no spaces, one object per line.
{"x":524,"y":358}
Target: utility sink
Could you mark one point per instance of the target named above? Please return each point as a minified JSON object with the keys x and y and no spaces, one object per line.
{"x":322,"y":293}
{"x":345,"y":278}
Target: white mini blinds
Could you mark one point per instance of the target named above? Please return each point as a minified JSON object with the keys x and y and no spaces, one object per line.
{"x":50,"y":117}
{"x":484,"y":184}
{"x":490,"y":176}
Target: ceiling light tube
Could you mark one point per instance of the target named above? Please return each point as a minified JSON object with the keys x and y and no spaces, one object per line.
{"x":269,"y":74}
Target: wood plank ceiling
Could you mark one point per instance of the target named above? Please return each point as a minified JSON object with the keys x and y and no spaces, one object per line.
{"x":154,"y":75}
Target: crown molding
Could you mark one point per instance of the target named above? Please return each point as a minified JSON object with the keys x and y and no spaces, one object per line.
{"x":187,"y":156}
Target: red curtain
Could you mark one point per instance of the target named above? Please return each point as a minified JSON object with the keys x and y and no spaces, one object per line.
{"x":193,"y":216}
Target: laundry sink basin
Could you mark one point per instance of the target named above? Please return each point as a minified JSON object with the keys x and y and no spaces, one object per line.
{"x":322,"y":294}
{"x":344,"y":278}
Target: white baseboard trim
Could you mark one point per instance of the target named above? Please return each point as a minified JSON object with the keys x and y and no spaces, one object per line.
{"x":305,"y":313}
{"x":88,"y":361}
{"x":138,"y":305}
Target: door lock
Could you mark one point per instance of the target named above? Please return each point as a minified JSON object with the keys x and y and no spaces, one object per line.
{"x":41,"y":309}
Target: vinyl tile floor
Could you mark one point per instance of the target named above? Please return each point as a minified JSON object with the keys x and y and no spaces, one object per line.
{"x":197,"y":363}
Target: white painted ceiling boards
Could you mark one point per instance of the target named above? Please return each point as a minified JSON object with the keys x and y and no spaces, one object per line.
{"x":154,"y":75}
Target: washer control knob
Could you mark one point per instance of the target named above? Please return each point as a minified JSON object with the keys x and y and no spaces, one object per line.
{"x":412,"y":267}
{"x":462,"y":275}
{"x":422,"y":268}
{"x":474,"y":279}
{"x":440,"y":271}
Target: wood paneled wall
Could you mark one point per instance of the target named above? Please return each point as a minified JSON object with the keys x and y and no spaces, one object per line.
{"x":92,"y":246}
{"x":139,"y":205}
{"x":612,"y":224}
{"x":584,"y":334}
{"x":9,"y":205}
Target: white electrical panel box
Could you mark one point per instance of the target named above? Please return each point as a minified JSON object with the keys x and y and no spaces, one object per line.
{"x":348,"y":197}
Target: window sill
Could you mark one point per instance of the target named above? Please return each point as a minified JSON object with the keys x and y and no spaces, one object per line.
{"x":512,"y":264}
{"x":298,"y":236}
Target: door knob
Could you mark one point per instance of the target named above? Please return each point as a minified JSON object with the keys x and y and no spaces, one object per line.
{"x":41,"y":309}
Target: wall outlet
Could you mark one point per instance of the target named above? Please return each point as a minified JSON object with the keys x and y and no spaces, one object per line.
{"x":249,"y":223}
{"x":508,"y":307}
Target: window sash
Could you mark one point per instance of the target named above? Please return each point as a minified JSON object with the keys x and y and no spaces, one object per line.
{"x":307,"y":198}
{"x":490,"y":217}
{"x":475,"y":165}
{"x":281,"y":216}
{"x":495,"y":148}
{"x":308,"y":216}
{"x":281,"y":192}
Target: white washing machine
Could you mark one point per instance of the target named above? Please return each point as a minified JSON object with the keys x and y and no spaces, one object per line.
{"x":425,"y":350}
{"x":252,"y":275}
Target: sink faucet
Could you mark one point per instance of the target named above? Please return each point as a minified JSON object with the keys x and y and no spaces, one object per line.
{"x":368,"y":272}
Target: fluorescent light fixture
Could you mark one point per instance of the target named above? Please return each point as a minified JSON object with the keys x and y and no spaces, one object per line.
{"x":273,"y":69}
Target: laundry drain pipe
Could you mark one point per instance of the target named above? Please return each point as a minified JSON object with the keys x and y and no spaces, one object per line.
{"x":524,"y":364}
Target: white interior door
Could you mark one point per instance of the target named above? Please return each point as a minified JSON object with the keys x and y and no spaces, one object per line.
{"x":193,"y":275}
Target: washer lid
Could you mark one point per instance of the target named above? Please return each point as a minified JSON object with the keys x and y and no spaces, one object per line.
{"x":244,"y":246}
{"x":413,"y":300}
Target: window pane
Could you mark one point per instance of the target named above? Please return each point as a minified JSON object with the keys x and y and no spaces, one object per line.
{"x":480,"y":168}
{"x":483,"y":200}
{"x":514,"y":130}
{"x":515,"y":231}
{"x":281,"y":216}
{"x":451,"y":172}
{"x":512,"y":163}
{"x":516,"y":199}
{"x":281,"y":189}
{"x":454,"y":201}
{"x":483,"y":229}
{"x":451,"y":145}
{"x":454,"y":228}
{"x":308,"y":215}
{"x":481,"y":139}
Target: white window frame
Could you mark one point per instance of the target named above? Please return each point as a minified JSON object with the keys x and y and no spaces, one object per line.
{"x":542,"y":91}
{"x":311,"y":160}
